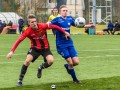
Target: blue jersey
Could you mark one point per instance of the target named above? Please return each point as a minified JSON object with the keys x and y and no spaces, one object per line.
{"x":110,"y":25}
{"x":65,"y":24}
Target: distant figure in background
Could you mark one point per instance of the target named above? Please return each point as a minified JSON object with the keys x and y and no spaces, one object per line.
{"x":91,"y":25}
{"x":1,"y":23}
{"x":7,"y":28}
{"x":51,"y":4}
{"x":117,"y":27}
{"x":4,"y":24}
{"x":10,"y":23}
{"x":21,"y":24}
{"x":54,"y":15}
{"x":1,"y":26}
{"x":110,"y":27}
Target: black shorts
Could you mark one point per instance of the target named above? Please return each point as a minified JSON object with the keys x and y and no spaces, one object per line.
{"x":36,"y":53}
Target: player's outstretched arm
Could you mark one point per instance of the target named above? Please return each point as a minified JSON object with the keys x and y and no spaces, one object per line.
{"x":20,"y":39}
{"x":67,"y":35}
{"x":9,"y":55}
{"x":59,"y":29}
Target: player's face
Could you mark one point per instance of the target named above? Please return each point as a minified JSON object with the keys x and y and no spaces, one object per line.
{"x":33,"y":23}
{"x":55,"y":11}
{"x":63,"y":12}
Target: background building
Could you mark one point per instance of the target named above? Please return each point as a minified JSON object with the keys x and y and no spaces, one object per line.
{"x":75,"y":7}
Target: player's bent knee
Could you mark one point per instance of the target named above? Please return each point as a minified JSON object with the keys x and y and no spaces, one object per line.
{"x":76,"y":63}
{"x":50,"y":59}
{"x":50,"y":62}
{"x":27,"y":62}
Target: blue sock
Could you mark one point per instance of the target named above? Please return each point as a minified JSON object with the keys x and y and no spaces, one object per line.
{"x":72,"y":73}
{"x":66,"y":66}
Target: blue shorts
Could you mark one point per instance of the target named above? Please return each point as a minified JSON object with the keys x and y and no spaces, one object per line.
{"x":67,"y":52}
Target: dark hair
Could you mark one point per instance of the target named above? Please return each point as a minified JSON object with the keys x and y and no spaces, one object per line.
{"x":55,"y":8}
{"x":110,"y":21}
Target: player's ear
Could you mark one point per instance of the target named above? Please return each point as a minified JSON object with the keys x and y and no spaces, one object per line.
{"x":28,"y":22}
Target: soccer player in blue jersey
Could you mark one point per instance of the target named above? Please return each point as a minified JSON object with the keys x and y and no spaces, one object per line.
{"x":65,"y":47}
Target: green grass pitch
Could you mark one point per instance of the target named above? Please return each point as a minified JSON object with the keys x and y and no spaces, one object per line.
{"x":98,"y":69}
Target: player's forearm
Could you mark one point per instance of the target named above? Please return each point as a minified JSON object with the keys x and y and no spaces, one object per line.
{"x":15,"y":45}
{"x":57,"y":28}
{"x":20,"y":39}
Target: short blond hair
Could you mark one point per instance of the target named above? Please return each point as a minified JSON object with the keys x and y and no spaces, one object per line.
{"x":62,"y":6}
{"x":31,"y":16}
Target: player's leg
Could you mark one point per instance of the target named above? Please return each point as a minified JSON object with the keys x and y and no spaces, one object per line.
{"x":114,"y":31}
{"x":75,"y":61}
{"x":106,"y":30}
{"x":29,"y":58}
{"x":54,"y":31}
{"x":71,"y":70}
{"x":48,"y":58}
{"x":74,"y":56}
{"x":111,"y":30}
{"x":65,"y":54}
{"x":20,"y":29}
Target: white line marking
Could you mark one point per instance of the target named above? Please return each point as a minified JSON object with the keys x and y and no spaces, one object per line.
{"x":62,"y":58}
{"x":100,"y":56}
{"x":16,"y":54}
{"x":102,"y":50}
{"x":80,"y":51}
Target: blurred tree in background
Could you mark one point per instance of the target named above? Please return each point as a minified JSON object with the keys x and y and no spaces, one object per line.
{"x":39,"y":7}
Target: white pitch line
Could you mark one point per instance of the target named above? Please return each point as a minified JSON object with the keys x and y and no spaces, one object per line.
{"x":80,"y":51}
{"x":62,"y":58}
{"x":15,"y":54}
{"x":100,"y":56}
{"x":102,"y":50}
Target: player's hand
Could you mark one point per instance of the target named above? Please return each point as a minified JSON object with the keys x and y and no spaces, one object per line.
{"x":67,"y":35}
{"x":9,"y":55}
{"x":48,"y":22}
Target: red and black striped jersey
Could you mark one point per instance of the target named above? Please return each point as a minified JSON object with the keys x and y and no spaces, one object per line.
{"x":37,"y":37}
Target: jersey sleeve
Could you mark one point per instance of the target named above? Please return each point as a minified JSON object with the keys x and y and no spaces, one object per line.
{"x":54,"y":21}
{"x":72,"y":21}
{"x":51,"y":26}
{"x":44,"y":25}
{"x":19,"y":40}
{"x":57,"y":28}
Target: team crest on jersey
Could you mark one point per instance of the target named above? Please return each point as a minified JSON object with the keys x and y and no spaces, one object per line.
{"x":68,"y":23}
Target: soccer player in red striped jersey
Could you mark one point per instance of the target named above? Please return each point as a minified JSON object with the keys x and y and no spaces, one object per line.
{"x":36,"y":32}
